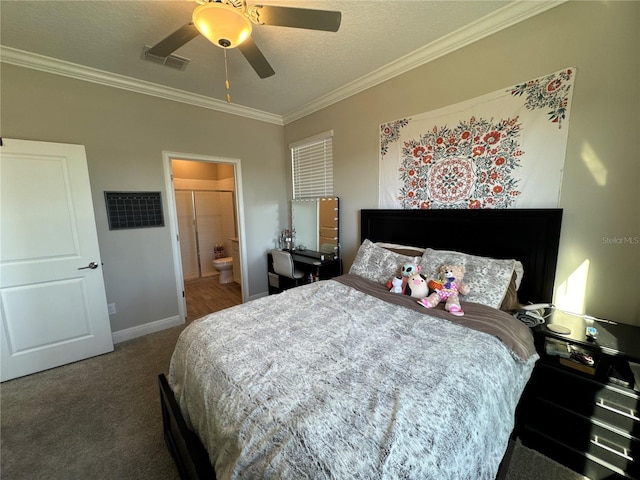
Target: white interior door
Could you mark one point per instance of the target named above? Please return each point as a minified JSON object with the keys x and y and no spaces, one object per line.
{"x":53,"y":307}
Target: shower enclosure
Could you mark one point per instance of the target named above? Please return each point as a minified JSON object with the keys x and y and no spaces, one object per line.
{"x":206,"y":218}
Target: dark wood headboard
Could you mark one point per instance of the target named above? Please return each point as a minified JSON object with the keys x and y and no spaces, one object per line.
{"x":529,"y":235}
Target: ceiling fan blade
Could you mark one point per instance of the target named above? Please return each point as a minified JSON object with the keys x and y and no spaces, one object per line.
{"x":297,"y":17}
{"x":254,"y":56}
{"x":174,"y":41}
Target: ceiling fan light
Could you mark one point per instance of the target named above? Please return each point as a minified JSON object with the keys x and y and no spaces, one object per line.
{"x":222,"y":24}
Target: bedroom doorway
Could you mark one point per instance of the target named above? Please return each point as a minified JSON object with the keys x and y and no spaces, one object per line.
{"x":206,"y":216}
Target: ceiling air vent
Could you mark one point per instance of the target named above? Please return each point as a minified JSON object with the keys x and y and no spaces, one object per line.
{"x":173,"y":61}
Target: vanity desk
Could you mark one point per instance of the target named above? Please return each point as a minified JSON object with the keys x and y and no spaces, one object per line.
{"x":315,"y":238}
{"x":315,"y":265}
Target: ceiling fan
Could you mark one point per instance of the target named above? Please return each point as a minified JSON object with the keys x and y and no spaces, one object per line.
{"x":228,"y":24}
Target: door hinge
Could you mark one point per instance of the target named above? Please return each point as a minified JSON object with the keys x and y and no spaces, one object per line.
{"x":182,"y":293}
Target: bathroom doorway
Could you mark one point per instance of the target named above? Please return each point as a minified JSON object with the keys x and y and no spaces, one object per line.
{"x":206,"y":209}
{"x":207,"y":228}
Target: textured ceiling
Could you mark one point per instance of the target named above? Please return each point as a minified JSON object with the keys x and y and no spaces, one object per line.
{"x":312,"y":68}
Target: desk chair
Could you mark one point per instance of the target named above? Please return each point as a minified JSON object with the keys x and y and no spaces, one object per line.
{"x":283,"y":265}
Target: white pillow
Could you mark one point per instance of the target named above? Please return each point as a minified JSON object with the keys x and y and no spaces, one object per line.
{"x":403,"y":249}
{"x":377,"y":263}
{"x":488,"y":278}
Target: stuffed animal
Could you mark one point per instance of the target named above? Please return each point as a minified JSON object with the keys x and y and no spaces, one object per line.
{"x":417,"y":286}
{"x":396,"y":285}
{"x":406,"y":271}
{"x":409,"y":269}
{"x":447,"y":288}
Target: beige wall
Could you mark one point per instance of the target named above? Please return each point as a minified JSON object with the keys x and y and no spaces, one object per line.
{"x":125,"y":134}
{"x":600,"y":193}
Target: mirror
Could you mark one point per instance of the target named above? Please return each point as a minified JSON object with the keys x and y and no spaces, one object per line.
{"x":316,"y":222}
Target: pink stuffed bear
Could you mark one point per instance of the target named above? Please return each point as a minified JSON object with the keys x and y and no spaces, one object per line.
{"x":447,"y":288}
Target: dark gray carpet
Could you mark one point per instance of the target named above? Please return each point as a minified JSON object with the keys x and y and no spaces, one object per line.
{"x":100,"y":419}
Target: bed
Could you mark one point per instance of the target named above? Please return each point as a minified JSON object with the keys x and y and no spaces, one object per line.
{"x":344,"y":379}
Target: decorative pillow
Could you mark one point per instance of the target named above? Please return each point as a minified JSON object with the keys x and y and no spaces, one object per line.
{"x":519,"y":271}
{"x":488,"y":278}
{"x":510,"y":301}
{"x":377,"y":263}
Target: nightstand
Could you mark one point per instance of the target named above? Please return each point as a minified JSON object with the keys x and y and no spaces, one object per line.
{"x":586,"y":417}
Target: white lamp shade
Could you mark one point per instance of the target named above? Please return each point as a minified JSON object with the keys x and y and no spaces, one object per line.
{"x":222,"y":24}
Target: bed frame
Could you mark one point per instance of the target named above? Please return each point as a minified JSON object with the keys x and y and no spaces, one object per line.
{"x":185,"y":447}
{"x":529,"y":235}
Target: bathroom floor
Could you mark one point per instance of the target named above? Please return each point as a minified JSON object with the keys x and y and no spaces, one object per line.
{"x":206,"y":295}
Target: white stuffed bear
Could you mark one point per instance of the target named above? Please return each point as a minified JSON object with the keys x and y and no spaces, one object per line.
{"x":396,"y":285}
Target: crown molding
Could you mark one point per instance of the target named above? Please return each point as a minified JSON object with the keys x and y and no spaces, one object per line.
{"x":505,"y":17}
{"x":80,"y":72}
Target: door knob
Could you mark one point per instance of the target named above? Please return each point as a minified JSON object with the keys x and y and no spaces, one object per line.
{"x":92,"y":266}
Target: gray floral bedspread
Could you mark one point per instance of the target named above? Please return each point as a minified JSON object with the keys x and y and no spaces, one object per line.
{"x":325,"y":381}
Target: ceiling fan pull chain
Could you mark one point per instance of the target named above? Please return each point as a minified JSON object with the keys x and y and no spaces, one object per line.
{"x":226,"y":76}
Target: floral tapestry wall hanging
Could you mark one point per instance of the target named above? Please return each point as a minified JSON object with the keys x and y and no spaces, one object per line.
{"x":505,"y":149}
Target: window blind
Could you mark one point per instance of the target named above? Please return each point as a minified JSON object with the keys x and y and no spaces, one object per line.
{"x":312,"y":166}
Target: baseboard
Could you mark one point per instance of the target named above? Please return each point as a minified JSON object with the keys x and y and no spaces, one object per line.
{"x":258,"y":295}
{"x":146,"y":329}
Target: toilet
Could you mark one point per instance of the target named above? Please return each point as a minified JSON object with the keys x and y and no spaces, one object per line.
{"x":224,"y":265}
